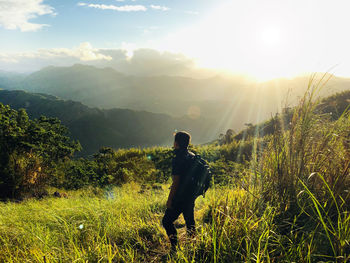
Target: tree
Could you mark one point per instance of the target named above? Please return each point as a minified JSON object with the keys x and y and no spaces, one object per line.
{"x":30,"y":151}
{"x":227,"y":138}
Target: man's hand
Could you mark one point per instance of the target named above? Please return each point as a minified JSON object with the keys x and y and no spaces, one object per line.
{"x":173,"y":189}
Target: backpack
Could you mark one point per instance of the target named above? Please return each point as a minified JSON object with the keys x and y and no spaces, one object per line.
{"x":198,"y":177}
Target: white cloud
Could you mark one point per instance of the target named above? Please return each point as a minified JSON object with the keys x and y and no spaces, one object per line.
{"x":158,"y":7}
{"x":124,"y":8}
{"x":7,"y":58}
{"x":84,"y":53}
{"x":15,"y":14}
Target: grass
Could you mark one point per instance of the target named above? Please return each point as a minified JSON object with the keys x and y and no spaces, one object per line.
{"x":123,"y":225}
{"x":82,"y":227}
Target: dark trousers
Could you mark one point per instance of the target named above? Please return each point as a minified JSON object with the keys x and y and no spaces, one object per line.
{"x":171,"y":214}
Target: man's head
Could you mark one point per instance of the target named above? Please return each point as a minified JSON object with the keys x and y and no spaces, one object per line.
{"x":182,"y":140}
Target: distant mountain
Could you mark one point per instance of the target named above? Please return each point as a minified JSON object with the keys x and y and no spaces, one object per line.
{"x":76,"y":82}
{"x":116,"y":128}
{"x":227,"y":102}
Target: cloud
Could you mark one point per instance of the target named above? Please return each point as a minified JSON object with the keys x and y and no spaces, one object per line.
{"x":85,"y":52}
{"x":124,"y":8}
{"x":15,"y":14}
{"x":127,"y":60}
{"x":7,"y":58}
{"x":29,"y":61}
{"x":158,"y":7}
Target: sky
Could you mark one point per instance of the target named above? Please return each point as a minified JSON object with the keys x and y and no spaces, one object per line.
{"x":264,"y":39}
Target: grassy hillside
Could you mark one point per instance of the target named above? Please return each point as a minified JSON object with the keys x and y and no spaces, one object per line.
{"x":334,"y":106}
{"x":279,"y":197}
{"x":119,"y":225}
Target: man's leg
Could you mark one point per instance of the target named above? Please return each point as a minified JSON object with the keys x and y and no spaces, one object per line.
{"x":188,"y":213}
{"x":171,"y":214}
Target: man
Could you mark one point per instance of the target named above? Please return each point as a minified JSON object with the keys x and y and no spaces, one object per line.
{"x":178,"y":202}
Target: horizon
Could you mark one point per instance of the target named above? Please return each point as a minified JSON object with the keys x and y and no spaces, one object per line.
{"x":209,"y":74}
{"x":261,"y":40}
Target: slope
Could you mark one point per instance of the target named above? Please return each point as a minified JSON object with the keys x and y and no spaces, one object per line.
{"x":116,"y":128}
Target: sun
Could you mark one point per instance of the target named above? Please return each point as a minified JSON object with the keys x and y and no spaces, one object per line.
{"x":270,"y":36}
{"x":241,"y":38}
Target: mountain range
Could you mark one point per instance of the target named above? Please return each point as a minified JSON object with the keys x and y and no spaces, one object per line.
{"x":103,"y":107}
{"x":116,"y":128}
{"x":228,"y":102}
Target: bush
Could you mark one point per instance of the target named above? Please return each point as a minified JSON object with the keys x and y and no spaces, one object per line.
{"x":124,"y":166}
{"x":81,"y":173}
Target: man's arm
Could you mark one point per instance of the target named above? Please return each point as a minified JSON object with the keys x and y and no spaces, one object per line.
{"x":173,"y":189}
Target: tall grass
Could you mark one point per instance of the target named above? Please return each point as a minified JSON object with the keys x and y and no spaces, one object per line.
{"x":305,"y":175}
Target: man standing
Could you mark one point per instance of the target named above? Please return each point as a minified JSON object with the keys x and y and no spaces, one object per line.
{"x":178,"y":202}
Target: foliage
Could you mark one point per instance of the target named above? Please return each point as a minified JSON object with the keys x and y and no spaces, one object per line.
{"x":116,"y":167}
{"x":125,"y":166}
{"x":335,"y":105}
{"x":145,"y":166}
{"x":29,"y":150}
{"x":81,"y":173}
{"x":227,"y":137}
{"x":227,"y":172}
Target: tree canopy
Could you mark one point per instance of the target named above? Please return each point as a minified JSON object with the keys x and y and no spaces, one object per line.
{"x":29,"y":150}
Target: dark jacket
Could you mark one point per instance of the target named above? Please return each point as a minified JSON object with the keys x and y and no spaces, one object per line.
{"x":181,"y":164}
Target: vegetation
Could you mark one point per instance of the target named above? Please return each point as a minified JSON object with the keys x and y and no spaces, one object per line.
{"x":278,"y":196}
{"x":118,"y":128}
{"x":29,"y":151}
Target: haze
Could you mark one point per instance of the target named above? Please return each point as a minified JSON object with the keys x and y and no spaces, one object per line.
{"x":261,"y":39}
